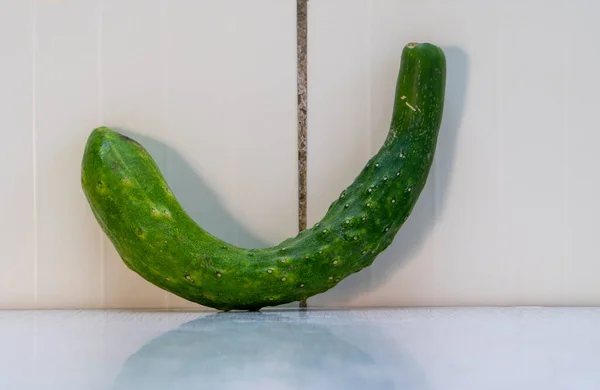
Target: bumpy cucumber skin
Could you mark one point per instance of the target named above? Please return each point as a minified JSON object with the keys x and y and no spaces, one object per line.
{"x":158,"y":240}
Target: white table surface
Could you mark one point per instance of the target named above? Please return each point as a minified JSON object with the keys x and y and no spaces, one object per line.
{"x":441,"y":349}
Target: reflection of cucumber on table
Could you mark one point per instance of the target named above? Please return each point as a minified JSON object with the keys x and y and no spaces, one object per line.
{"x":156,"y":238}
{"x":251,"y":351}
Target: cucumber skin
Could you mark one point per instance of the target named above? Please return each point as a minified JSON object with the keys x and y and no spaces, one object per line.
{"x":158,"y":240}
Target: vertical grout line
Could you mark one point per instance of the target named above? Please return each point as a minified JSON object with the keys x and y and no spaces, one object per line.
{"x":567,"y":156}
{"x":370,"y":77}
{"x":434,"y":280}
{"x":34,"y":152}
{"x":302,"y":85}
{"x":370,"y":81}
{"x":500,"y":158}
{"x":100,"y":120}
{"x":234,"y":156}
{"x":164,"y":107}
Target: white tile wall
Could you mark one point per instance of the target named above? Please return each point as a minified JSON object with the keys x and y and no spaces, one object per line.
{"x":66,"y":107}
{"x":17,"y":226}
{"x":208,"y":87}
{"x":509,"y":213}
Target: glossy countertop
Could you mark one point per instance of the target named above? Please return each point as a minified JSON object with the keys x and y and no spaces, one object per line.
{"x":420,"y":349}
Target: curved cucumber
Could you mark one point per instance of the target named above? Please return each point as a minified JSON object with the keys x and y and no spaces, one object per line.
{"x":157,"y":239}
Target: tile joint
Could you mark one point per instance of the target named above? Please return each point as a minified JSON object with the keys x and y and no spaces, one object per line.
{"x":302,"y":34}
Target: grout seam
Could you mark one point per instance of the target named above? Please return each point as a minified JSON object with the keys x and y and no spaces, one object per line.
{"x":164,"y":103}
{"x":100,"y":120}
{"x":302,"y":90}
{"x":505,"y":254}
{"x":34,"y":151}
{"x":369,"y":78}
{"x":567,"y":250}
{"x":301,"y":26}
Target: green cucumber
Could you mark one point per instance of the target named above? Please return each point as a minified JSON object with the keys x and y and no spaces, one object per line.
{"x":157,"y":239}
